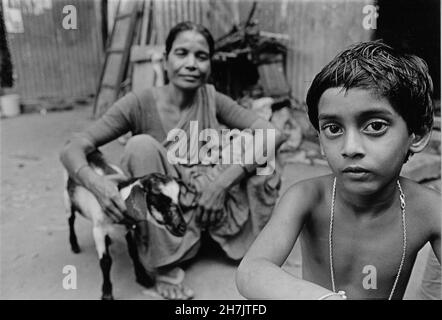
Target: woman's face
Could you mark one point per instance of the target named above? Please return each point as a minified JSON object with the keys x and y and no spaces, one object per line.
{"x":188,"y":62}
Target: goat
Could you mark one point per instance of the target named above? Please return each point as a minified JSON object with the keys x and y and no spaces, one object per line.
{"x":155,"y":194}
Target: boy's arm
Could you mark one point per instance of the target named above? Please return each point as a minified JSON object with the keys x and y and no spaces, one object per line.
{"x":435,"y":239}
{"x":260,"y":275}
{"x":436,"y":245}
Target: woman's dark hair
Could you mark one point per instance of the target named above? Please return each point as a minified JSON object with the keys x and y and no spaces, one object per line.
{"x":189,"y":26}
{"x":402,"y":79}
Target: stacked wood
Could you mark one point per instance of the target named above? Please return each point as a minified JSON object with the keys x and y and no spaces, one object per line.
{"x":244,"y":58}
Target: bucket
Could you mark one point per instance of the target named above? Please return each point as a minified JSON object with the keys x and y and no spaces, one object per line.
{"x":10,"y":105}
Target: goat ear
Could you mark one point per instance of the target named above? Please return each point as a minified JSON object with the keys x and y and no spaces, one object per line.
{"x":148,"y":183}
{"x":136,"y":203}
{"x":152,"y":182}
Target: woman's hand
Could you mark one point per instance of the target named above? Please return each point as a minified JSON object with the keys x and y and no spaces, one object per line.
{"x":109,"y":198}
{"x":211,"y":206}
{"x":106,"y":192}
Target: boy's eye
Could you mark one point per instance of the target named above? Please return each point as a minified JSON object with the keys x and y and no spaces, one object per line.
{"x":376,"y":127}
{"x":331,"y":130}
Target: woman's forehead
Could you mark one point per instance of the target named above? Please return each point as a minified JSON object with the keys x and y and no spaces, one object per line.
{"x":190,"y":37}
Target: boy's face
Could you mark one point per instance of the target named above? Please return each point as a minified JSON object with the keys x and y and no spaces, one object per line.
{"x":364,"y":139}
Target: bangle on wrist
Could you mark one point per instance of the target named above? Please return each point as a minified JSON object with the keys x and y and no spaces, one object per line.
{"x":340,"y":293}
{"x":77,"y":172}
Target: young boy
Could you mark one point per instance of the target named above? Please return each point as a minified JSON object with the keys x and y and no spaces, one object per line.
{"x":362,"y":226}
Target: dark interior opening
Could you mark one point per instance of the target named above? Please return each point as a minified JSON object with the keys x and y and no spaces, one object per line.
{"x":413,"y":26}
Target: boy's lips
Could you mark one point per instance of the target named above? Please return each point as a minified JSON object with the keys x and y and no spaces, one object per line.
{"x":355,"y":172}
{"x":355,"y":169}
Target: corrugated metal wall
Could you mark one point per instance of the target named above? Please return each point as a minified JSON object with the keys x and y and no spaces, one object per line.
{"x":167,"y":13}
{"x":317,"y":29}
{"x":50,"y":61}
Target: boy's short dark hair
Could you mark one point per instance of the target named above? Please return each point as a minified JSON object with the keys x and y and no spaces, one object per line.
{"x":400,"y":78}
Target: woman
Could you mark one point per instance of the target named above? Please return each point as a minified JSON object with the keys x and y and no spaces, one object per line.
{"x":234,"y":203}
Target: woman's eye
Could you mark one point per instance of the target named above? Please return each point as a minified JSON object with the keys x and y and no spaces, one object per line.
{"x":376,"y":127}
{"x":332,"y":130}
{"x":203,"y":57}
{"x":180,"y":53}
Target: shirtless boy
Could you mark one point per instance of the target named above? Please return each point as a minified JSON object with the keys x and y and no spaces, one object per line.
{"x":372,"y":108}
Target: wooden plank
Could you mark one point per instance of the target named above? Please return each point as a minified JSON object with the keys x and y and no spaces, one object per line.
{"x":145,"y":22}
{"x":116,"y":62}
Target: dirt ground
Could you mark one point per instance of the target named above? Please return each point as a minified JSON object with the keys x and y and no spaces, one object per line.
{"x":34,"y":232}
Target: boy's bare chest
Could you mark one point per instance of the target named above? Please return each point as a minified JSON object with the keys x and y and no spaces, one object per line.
{"x":366,"y":254}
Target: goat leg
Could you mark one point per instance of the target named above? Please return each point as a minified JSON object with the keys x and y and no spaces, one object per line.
{"x":105,"y":264}
{"x":72,"y":236}
{"x":141,"y":275}
{"x":102,"y":242}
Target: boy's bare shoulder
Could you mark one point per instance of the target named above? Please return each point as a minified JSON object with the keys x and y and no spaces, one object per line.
{"x":311,"y":191}
{"x":424,"y":201}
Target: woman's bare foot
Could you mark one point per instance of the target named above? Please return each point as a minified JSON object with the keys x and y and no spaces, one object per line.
{"x":169,"y":284}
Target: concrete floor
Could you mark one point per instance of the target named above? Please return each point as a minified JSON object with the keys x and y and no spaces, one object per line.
{"x":34,"y":233}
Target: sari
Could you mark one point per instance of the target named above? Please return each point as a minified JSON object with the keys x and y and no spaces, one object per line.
{"x":248,"y":204}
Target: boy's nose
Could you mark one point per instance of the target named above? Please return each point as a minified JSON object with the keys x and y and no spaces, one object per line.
{"x":352,"y":145}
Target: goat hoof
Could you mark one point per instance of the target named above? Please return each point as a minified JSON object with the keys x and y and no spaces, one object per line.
{"x":107,"y":296}
{"x":76,"y":249}
{"x":145,"y":281}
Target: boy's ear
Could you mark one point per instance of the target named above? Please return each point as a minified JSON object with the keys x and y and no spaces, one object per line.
{"x":419,"y":142}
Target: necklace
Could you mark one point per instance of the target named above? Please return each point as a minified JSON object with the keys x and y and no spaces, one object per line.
{"x":404,"y":247}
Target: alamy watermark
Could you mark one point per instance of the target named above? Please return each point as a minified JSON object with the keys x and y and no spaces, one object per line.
{"x":369,"y":22}
{"x":370,"y":281}
{"x":70,"y":19}
{"x":70,"y":280}
{"x":225,"y":146}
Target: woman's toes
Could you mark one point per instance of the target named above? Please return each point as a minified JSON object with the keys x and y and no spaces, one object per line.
{"x":188,"y":293}
{"x":174,"y":292}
